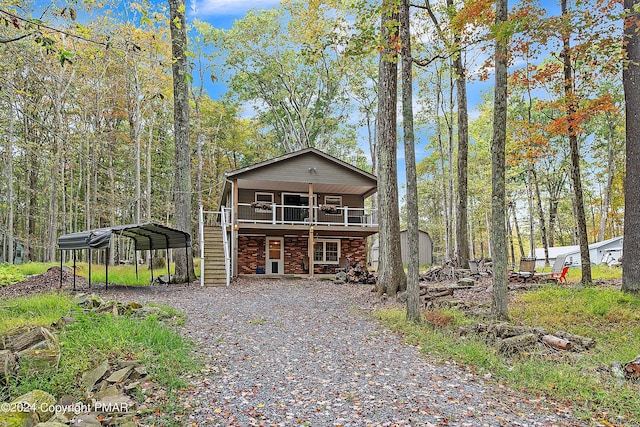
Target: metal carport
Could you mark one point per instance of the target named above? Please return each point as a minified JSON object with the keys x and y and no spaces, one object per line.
{"x":146,"y":236}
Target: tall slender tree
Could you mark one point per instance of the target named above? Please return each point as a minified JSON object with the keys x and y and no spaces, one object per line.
{"x":631,"y":81}
{"x":182,"y":185}
{"x":498,"y":166}
{"x":391,"y":277}
{"x":456,"y":51}
{"x":413,"y":262}
{"x":570,"y":100}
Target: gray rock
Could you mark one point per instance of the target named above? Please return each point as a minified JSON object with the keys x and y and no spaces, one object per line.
{"x":120,"y":375}
{"x":147,"y":311}
{"x":466,"y":281}
{"x":86,"y":420}
{"x":108,"y":391}
{"x":90,"y":378}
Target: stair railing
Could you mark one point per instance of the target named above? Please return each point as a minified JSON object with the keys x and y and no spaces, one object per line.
{"x":224,"y":222}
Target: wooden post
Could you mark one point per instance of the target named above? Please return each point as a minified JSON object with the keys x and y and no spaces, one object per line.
{"x":234,"y":230}
{"x":311,"y":222}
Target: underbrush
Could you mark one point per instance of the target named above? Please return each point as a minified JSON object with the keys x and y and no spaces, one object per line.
{"x":609,"y":316}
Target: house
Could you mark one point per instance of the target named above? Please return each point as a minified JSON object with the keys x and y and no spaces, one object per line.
{"x":301,"y":213}
{"x":425,"y":248}
{"x":603,"y":252}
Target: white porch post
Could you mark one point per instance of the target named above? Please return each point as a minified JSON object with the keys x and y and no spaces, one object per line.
{"x":311,"y":222}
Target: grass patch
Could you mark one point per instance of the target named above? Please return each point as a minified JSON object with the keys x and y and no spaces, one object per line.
{"x":9,"y":275}
{"x":32,"y":268}
{"x":95,"y":337}
{"x":609,"y":316}
{"x":120,"y":274}
{"x":126,"y":274}
{"x":602,"y":272}
{"x":41,"y":310}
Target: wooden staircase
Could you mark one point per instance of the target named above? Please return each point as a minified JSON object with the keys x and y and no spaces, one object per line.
{"x":214,"y":273}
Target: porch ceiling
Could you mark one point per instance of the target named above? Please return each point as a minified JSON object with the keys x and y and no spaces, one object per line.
{"x":303,"y":187}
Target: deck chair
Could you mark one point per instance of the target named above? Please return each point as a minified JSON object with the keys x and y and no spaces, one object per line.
{"x":526,"y":271}
{"x":561,"y":277}
{"x":477,"y":268}
{"x":556,"y":270}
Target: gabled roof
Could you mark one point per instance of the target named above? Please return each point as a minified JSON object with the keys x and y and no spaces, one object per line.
{"x":606,"y":242}
{"x":559,"y":250}
{"x":238,"y":172}
{"x":293,"y":172}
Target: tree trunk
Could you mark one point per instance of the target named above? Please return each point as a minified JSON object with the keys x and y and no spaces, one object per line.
{"x":498,"y":166}
{"x":575,"y":157}
{"x":611,"y":167}
{"x":135,"y":131}
{"x":182,"y":187}
{"x":391,"y":277}
{"x":463,"y":154}
{"x":9,"y":179}
{"x":631,"y":81}
{"x":512,"y":205}
{"x":543,"y":225}
{"x":413,"y":261}
{"x":443,"y":170}
{"x":510,"y":235}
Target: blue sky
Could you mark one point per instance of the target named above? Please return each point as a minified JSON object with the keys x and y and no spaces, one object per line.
{"x":222,"y":13}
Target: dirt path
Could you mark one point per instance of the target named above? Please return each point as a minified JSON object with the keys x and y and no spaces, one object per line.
{"x":285,"y":352}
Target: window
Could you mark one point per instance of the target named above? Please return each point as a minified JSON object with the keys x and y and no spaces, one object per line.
{"x":263,"y":202}
{"x":331,"y":205}
{"x":326,"y":251}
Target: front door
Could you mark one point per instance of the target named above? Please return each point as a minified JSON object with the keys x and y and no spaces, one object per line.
{"x":275,"y":255}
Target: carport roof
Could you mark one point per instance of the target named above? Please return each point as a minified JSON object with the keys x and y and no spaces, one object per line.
{"x":146,"y":236}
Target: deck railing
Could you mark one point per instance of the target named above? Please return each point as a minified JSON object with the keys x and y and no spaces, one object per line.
{"x":271,"y":213}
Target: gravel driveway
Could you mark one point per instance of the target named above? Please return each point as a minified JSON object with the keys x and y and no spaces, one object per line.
{"x":300,"y":352}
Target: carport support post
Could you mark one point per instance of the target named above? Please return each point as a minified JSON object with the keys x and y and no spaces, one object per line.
{"x":106,"y":270}
{"x":151,"y":258}
{"x":135,"y":257}
{"x":89,"y":249}
{"x":74,"y":269}
{"x":60,"y":268}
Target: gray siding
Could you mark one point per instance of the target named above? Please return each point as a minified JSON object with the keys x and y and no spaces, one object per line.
{"x":425,"y":246}
{"x":308,"y":168}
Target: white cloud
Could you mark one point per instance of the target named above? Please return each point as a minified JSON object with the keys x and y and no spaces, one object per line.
{"x":205,"y":8}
